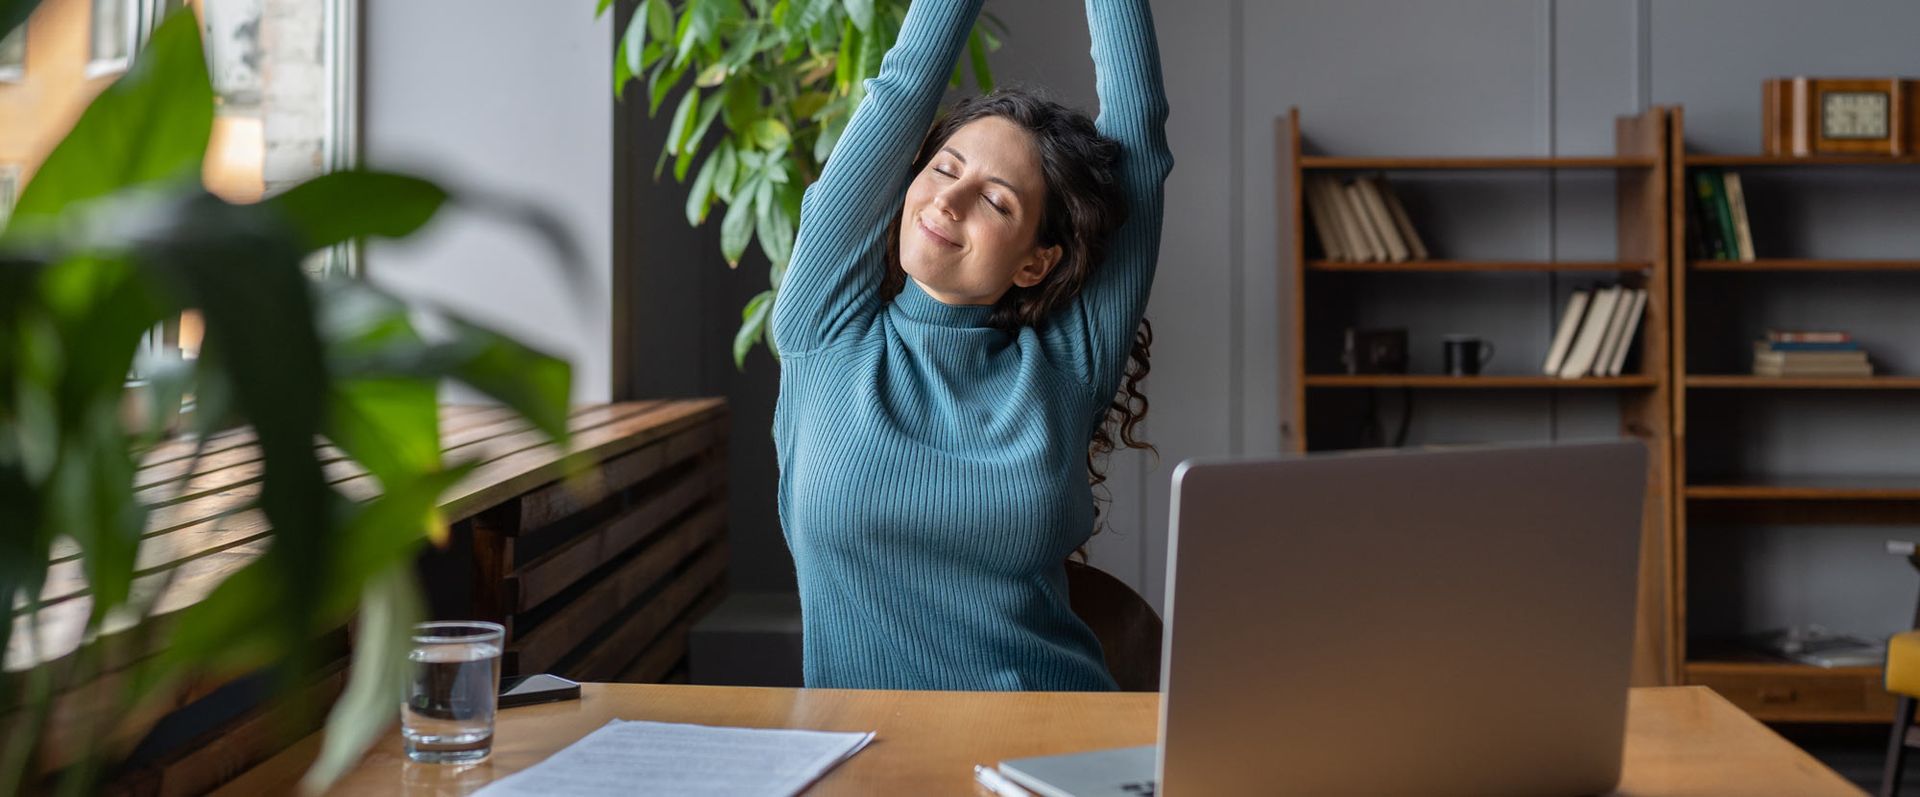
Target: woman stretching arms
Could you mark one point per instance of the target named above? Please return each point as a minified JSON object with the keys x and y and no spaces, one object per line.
{"x":954,"y":330}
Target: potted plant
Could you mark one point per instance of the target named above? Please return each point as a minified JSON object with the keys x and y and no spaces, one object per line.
{"x":115,"y":234}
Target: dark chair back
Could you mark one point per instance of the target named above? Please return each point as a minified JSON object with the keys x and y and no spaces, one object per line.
{"x":1128,"y":628}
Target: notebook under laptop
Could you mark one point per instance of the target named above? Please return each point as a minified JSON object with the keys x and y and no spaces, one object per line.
{"x":1393,"y":622}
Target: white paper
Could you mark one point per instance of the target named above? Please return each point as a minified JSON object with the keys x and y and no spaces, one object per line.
{"x":629,"y":757}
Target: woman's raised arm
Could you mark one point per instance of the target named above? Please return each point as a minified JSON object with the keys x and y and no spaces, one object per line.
{"x":1098,"y":326}
{"x":834,"y":279}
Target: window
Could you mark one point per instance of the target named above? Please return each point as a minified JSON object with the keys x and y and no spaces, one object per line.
{"x":13,"y":55}
{"x":112,"y":31}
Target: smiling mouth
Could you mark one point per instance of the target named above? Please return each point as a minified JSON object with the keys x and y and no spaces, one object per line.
{"x":937,"y":237}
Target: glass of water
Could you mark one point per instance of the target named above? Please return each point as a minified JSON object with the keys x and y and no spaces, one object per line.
{"x":448,"y":713}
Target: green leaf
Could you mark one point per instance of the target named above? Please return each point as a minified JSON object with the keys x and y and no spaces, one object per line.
{"x":776,"y":228}
{"x":390,"y":425}
{"x":752,"y":320}
{"x":682,"y":126}
{"x":700,"y":197}
{"x":634,"y":41}
{"x":699,"y":22}
{"x":660,"y":20}
{"x":600,"y":10}
{"x":150,"y":126}
{"x":661,"y":84}
{"x":737,"y":228}
{"x":846,"y":65}
{"x":339,"y":207}
{"x":741,"y":104}
{"x":621,"y":72}
{"x":727,"y":177}
{"x":390,"y":606}
{"x":711,"y":76}
{"x":709,"y":110}
{"x":682,"y":163}
{"x":861,"y":11}
{"x":977,"y":53}
{"x":771,"y":134}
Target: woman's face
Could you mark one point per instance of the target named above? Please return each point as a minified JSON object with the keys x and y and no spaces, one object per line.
{"x":969,"y":228}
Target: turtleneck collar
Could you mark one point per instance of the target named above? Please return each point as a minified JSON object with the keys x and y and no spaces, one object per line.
{"x":914,"y":303}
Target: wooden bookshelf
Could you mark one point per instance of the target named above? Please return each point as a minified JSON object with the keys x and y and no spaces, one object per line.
{"x":1317,"y":292}
{"x":1443,"y":382}
{"x":1776,"y":161}
{"x":1771,"y":690}
{"x":1750,"y":382}
{"x":1805,"y":264}
{"x":1322,"y":162}
{"x":1442,"y":266}
{"x":1801,"y":487}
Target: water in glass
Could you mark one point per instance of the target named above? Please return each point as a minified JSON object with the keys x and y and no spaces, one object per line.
{"x":448,"y":713}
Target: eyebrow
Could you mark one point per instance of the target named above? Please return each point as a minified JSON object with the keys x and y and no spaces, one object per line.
{"x":990,"y":178}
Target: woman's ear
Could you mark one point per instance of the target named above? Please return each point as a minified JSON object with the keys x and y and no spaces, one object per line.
{"x":1037,"y":266}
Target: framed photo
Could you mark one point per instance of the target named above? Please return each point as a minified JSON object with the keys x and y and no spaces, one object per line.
{"x":113,"y":29}
{"x":13,"y":55}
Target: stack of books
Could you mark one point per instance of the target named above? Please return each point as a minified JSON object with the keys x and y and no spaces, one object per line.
{"x":1596,"y":332}
{"x":1361,"y":220}
{"x":1717,"y":227}
{"x":1809,"y":354}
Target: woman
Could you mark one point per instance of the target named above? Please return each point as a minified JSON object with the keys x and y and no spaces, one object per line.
{"x":953,"y":331}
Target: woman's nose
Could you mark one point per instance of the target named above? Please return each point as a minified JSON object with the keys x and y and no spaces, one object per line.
{"x":944,"y":202}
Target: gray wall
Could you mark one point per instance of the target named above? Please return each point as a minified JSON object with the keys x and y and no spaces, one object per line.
{"x":511,"y":98}
{"x":1494,"y":77}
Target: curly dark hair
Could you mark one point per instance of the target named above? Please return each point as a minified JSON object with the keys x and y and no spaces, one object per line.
{"x":1085,"y":205}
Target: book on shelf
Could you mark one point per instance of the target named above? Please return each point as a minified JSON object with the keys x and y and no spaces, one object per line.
{"x":1789,"y":358}
{"x":1382,"y":218}
{"x":1361,"y":220}
{"x":1700,"y":244}
{"x":1351,"y":232}
{"x":1593,"y":332}
{"x":1326,"y":228}
{"x":1357,"y":209}
{"x":1737,"y":208}
{"x":1807,"y":336}
{"x":1398,"y":210}
{"x":1563,"y":337}
{"x":1717,"y":217}
{"x":1819,"y":647}
{"x":1630,"y":333}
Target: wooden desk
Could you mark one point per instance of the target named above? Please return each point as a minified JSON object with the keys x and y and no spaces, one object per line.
{"x":1680,"y":740}
{"x":618,"y":561}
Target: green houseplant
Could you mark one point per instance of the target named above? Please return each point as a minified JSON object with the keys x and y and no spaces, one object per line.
{"x":781,"y":78}
{"x":114,"y":235}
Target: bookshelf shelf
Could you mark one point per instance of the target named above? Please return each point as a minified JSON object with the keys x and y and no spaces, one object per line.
{"x":1442,"y":266}
{"x":1324,"y":410}
{"x":1770,"y":161}
{"x":1330,"y":163}
{"x":1441,"y":381}
{"x":1861,"y":487}
{"x":1749,"y":382}
{"x":1805,"y":264}
{"x":1769,"y":689}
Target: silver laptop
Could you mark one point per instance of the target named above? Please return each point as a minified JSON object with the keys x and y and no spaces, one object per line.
{"x":1396,"y":622}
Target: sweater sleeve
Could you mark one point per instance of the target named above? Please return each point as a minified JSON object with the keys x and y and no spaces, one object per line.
{"x":832,"y":283}
{"x":1095,"y":331}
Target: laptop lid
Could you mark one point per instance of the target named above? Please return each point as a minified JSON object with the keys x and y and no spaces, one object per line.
{"x":1402,"y":622}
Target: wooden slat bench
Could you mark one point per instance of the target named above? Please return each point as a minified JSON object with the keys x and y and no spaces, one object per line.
{"x":597,"y":560}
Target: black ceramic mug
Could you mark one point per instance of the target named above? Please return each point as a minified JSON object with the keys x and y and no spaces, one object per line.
{"x":1465,"y":355}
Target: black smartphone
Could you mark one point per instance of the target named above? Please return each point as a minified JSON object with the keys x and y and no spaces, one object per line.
{"x":526,"y":690}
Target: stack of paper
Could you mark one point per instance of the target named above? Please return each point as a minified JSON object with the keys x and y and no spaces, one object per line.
{"x":626,"y":758}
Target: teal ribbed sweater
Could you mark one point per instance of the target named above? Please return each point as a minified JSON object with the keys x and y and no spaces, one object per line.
{"x":933,"y":472}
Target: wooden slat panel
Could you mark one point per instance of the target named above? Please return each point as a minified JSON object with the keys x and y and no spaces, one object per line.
{"x":544,"y":506}
{"x":645,"y":623}
{"x":538,"y":648}
{"x":224,"y":753}
{"x":544,"y":577}
{"x":512,"y":476}
{"x":669,"y":650}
